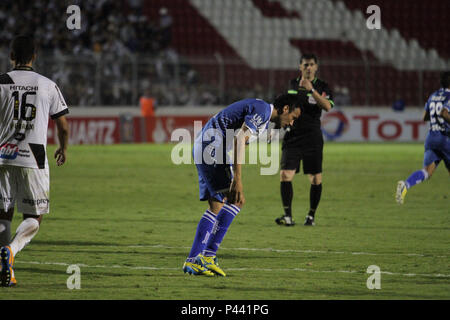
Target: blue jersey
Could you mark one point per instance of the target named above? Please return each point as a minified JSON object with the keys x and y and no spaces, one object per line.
{"x":437,"y":143}
{"x":220,"y":129}
{"x":434,"y":106}
{"x":255,"y":113}
{"x":211,"y":146}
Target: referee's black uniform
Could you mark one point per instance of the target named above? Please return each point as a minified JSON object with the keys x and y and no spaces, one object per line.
{"x":304,"y":143}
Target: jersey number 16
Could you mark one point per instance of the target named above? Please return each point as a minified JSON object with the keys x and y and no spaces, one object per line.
{"x":27,"y":111}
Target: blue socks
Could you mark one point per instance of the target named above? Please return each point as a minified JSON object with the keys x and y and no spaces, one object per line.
{"x":202,"y":235}
{"x":211,"y":230}
{"x":223,"y":222}
{"x":416,"y":178}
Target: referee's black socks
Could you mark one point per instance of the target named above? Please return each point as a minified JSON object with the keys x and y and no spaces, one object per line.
{"x":314,"y":198}
{"x":287,"y":192}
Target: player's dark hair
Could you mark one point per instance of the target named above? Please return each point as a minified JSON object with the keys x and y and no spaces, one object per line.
{"x":286,"y":99}
{"x":308,"y":56}
{"x":445,"y":79}
{"x":22,"y":49}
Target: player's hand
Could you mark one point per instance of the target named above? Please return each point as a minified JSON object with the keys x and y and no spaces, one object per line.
{"x":236,"y":194}
{"x":60,"y":156}
{"x":305,"y":83}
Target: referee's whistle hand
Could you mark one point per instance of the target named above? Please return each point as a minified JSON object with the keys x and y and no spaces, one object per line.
{"x":305,"y":83}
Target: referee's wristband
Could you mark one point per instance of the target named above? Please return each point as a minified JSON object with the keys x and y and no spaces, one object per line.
{"x":312,"y":90}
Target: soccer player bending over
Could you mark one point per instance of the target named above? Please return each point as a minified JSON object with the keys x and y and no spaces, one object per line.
{"x":437,"y":142}
{"x":27,"y":99}
{"x":220,"y":181}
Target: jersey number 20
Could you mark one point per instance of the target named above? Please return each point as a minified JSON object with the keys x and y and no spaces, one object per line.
{"x":435,"y":116}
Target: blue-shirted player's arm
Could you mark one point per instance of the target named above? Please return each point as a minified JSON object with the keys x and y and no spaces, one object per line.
{"x":236,"y":194}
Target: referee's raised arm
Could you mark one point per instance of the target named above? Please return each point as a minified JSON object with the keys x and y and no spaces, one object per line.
{"x":321,"y":99}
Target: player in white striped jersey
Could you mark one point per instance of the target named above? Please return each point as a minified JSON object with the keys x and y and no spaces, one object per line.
{"x":27,"y":100}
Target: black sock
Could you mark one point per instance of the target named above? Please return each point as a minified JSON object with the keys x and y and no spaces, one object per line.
{"x":287,"y":192}
{"x":314,"y":198}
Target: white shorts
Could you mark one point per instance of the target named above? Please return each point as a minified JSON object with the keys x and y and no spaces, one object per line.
{"x":29,"y":187}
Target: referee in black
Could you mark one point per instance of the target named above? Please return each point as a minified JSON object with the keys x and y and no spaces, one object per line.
{"x":304,"y":140}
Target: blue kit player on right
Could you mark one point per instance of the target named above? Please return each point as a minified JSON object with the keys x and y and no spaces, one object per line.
{"x":437,"y":143}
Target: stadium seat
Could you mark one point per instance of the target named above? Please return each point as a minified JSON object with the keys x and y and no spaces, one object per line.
{"x":238,"y":30}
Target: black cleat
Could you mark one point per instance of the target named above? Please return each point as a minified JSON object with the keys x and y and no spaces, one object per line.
{"x":309,"y":221}
{"x":285,"y":221}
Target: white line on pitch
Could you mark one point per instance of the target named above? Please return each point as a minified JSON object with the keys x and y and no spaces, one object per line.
{"x":81,"y":265}
{"x":294,"y":251}
{"x":156,"y":246}
{"x":281,"y":250}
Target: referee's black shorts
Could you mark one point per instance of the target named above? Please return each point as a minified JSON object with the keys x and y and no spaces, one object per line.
{"x":311,"y":156}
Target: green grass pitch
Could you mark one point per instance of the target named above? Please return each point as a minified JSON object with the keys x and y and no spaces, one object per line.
{"x":127,"y":216}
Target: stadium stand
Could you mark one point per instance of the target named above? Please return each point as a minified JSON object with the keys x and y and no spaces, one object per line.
{"x":427,"y":30}
{"x":381,"y":64}
{"x":198,"y":52}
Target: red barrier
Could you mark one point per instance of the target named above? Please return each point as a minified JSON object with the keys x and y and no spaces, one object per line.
{"x":349,"y":125}
{"x":111,"y":130}
{"x":159,"y":129}
{"x":89,"y":130}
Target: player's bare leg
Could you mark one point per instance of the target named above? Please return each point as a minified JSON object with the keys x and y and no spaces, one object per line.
{"x":415,"y":178}
{"x":430,"y":169}
{"x":287,"y":175}
{"x":215,"y":206}
{"x":315,"y":179}
{"x":287,"y":194}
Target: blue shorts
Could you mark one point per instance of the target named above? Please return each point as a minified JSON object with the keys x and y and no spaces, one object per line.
{"x":214,"y":179}
{"x":437,"y":148}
